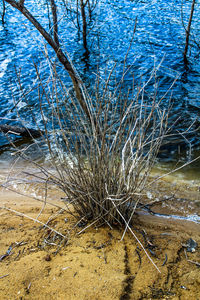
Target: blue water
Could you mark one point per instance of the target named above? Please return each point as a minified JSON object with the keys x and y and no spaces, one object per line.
{"x":159,"y":37}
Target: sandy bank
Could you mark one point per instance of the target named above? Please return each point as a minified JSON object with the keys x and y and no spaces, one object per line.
{"x":95,"y":264}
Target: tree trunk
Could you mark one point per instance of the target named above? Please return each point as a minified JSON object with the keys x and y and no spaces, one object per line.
{"x":84,"y":25}
{"x":55,"y":21}
{"x":3,"y":12}
{"x":188,"y":32}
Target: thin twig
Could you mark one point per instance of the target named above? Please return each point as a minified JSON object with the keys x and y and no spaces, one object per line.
{"x":191,"y":261}
{"x":3,"y":276}
{"x":137,"y":239}
{"x":35,"y":220}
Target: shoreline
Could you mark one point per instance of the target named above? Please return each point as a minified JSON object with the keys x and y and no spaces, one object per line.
{"x":95,"y":264}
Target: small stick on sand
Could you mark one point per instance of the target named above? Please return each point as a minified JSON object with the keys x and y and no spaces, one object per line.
{"x":35,"y":220}
{"x":4,"y":276}
{"x":191,"y":261}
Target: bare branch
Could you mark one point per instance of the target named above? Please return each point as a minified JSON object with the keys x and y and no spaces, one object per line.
{"x":55,"y":21}
{"x":60,"y":55}
{"x":21,"y":2}
{"x":21,"y":131}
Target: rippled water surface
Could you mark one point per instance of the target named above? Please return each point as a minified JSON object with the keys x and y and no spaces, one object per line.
{"x":160,"y":37}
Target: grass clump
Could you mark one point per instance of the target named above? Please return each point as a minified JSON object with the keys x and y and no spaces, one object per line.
{"x":102,"y":165}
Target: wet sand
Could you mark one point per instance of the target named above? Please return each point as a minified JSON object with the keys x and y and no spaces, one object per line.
{"x":96,"y":264}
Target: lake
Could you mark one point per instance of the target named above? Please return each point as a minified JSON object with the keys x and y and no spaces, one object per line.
{"x":159,"y":42}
